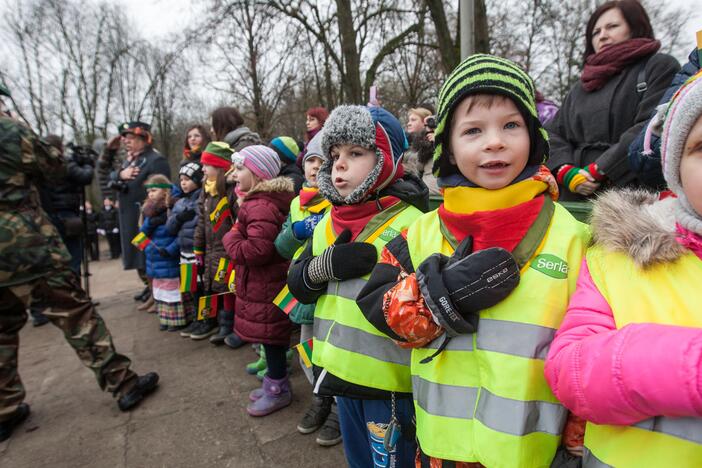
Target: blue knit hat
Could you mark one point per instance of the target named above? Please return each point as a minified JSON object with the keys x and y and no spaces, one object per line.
{"x":286,"y":147}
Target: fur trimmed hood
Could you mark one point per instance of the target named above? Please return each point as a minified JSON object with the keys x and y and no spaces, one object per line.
{"x":278,"y":184}
{"x":637,"y":223}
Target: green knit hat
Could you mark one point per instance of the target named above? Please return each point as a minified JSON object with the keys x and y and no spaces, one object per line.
{"x":217,"y":154}
{"x":487,"y":74}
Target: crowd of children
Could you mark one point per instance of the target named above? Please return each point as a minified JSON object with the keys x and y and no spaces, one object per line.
{"x":492,"y":331}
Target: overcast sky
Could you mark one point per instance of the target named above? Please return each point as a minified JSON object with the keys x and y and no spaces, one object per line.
{"x":157,"y":18}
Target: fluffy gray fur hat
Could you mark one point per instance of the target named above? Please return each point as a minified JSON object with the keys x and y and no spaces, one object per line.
{"x":352,"y":125}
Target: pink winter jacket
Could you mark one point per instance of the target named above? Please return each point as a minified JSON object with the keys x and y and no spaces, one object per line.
{"x":620,"y":377}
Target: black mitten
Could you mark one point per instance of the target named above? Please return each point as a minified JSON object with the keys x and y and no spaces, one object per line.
{"x":185,"y":216}
{"x":456,"y":289}
{"x":158,"y":219}
{"x":342,"y":260}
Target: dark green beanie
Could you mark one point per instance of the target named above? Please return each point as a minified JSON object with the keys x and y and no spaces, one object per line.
{"x":487,"y":74}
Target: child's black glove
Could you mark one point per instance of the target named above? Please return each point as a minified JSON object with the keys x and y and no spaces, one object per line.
{"x":342,"y":261}
{"x":163,"y":252}
{"x":185,"y":216}
{"x":456,"y":289}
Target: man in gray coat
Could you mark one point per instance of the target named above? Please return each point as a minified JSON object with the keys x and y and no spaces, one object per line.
{"x":142,"y":162}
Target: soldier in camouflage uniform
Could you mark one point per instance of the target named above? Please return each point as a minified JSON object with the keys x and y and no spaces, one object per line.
{"x":34,"y":264}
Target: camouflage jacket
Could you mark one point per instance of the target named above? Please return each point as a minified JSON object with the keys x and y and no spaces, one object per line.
{"x":30,"y":246}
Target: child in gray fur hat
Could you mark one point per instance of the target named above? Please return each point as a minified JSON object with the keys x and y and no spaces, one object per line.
{"x":372,"y":203}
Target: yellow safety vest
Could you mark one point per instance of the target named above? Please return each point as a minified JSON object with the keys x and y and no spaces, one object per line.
{"x":345,"y":343}
{"x":298,"y":213}
{"x":667,"y":294}
{"x":485,"y":398}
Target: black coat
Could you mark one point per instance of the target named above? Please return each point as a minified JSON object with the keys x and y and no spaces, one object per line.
{"x":64,"y":194}
{"x":599,"y":126}
{"x":108,"y":220}
{"x":150,"y":162}
{"x":292,"y":172}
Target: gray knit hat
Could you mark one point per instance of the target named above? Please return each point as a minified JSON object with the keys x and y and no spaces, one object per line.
{"x":676,"y":120}
{"x":314,"y":148}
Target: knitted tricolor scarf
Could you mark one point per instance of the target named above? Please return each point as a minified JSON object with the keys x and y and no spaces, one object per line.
{"x":496,"y":218}
{"x":312,"y":200}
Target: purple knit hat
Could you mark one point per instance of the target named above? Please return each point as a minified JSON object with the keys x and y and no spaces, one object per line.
{"x":259,"y":159}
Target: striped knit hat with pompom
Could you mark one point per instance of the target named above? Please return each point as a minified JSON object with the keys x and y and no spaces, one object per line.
{"x":259,"y":159}
{"x":487,"y":74}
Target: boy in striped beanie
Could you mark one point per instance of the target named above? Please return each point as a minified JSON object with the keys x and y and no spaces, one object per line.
{"x":477,"y":287}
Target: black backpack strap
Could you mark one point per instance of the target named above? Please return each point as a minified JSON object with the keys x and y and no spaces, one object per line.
{"x":641,"y":85}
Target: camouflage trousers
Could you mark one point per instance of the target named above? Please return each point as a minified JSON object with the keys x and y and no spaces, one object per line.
{"x":70,"y":310}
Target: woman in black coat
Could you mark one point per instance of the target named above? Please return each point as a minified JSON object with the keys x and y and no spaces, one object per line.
{"x":142,"y":162}
{"x":623,"y":79}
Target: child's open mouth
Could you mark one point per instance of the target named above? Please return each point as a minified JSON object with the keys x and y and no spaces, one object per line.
{"x":494,"y":165}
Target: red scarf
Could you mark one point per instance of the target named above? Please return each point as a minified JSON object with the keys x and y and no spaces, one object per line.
{"x":499,"y":228}
{"x":611,"y":60}
{"x":356,"y":217}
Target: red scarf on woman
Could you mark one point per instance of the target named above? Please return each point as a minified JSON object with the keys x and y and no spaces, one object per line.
{"x":612,"y":60}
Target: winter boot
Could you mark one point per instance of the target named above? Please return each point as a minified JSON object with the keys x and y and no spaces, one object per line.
{"x":256,"y":366}
{"x":225,"y":318}
{"x":330,"y":434}
{"x":203,"y":329}
{"x":316,"y":414}
{"x":277,"y":394}
{"x":234,"y":341}
{"x":185,"y":332}
{"x":147,"y":305}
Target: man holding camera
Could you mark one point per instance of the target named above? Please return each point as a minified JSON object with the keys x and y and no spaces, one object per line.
{"x":62,"y":197}
{"x":34,"y":264}
{"x":127,"y":182}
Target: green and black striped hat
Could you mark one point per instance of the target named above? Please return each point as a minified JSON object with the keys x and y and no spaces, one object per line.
{"x":487,"y":74}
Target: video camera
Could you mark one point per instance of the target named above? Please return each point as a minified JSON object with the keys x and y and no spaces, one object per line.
{"x":82,"y":154}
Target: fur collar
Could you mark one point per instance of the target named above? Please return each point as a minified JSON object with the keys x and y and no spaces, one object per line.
{"x":279,"y":184}
{"x":635,"y":222}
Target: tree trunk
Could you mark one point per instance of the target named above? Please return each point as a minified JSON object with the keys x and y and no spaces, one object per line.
{"x":449,"y":50}
{"x":352,"y":82}
{"x":481,"y":33}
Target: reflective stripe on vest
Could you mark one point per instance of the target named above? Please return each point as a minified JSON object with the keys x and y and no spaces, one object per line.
{"x":501,"y":414}
{"x":353,"y":339}
{"x":500,"y":336}
{"x":345,"y":343}
{"x":659,"y":441}
{"x":485,"y":398}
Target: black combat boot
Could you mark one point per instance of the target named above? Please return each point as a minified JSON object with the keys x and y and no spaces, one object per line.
{"x":20,"y":414}
{"x":146,"y":384}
